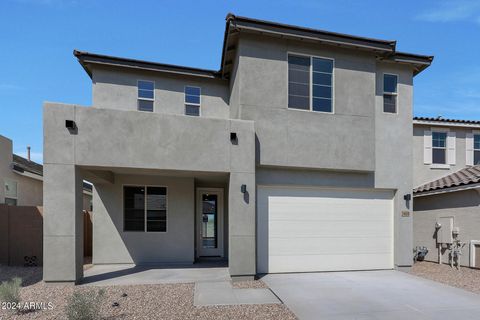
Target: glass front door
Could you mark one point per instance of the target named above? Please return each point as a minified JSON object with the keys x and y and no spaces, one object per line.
{"x":210,"y":222}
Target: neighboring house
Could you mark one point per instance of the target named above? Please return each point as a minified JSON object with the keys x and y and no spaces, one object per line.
{"x":447,"y":180}
{"x":295,"y":156}
{"x":22,"y":179}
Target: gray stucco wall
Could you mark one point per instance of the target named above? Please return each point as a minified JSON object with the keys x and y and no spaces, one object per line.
{"x":115,"y":88}
{"x":284,"y":135}
{"x":29,"y":191}
{"x":424,"y":173}
{"x":463,"y":206}
{"x":107,"y":140}
{"x":359,"y":136}
{"x":113,"y":245}
{"x":394,"y":155}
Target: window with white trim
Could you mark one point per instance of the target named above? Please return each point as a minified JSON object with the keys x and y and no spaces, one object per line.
{"x":439,"y":147}
{"x":145,"y":208}
{"x":310,"y":83}
{"x":390,"y":83}
{"x":146,"y":95}
{"x":11,"y":193}
{"x":192,"y":101}
{"x":476,"y":149}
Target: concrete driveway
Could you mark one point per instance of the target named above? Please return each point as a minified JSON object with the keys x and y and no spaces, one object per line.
{"x":382,"y":295}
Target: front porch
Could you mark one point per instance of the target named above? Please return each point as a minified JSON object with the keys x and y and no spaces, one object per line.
{"x":130,"y":274}
{"x":177,"y":169}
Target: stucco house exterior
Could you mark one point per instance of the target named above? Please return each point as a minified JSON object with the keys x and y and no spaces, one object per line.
{"x":294,"y":156}
{"x":22,"y":179}
{"x":447,"y":187}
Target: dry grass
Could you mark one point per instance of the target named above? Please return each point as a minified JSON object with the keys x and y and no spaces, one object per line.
{"x":166,"y":301}
{"x":464,"y":278}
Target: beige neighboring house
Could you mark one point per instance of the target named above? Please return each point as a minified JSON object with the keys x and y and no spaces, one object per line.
{"x":22,"y":179}
{"x":447,"y":188}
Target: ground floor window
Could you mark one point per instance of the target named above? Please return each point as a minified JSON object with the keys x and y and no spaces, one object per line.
{"x":145,"y":208}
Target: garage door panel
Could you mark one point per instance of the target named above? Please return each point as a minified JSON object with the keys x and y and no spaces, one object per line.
{"x":312,"y":246}
{"x":326,"y":228}
{"x":325,"y":211}
{"x":304,"y":229}
{"x":311,"y":263}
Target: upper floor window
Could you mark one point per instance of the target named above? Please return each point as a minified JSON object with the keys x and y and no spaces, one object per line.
{"x":145,"y":208}
{"x":146,"y":95}
{"x":476,"y":149}
{"x":390,"y":93}
{"x":310,"y":83}
{"x":439,"y":147}
{"x":192,"y":101}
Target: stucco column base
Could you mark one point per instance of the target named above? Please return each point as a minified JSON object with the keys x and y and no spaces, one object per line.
{"x":62,"y":224}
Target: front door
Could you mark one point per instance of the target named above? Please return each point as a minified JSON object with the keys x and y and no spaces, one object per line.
{"x":209,"y":222}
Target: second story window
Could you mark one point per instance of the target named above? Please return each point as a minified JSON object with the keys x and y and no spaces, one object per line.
{"x":310,"y":83}
{"x":146,"y":95}
{"x":476,"y":149}
{"x":439,"y":147}
{"x":192,"y":101}
{"x":390,"y":93}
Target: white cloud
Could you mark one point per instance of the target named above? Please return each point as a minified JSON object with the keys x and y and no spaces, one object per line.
{"x":34,"y":156}
{"x":453,"y":10}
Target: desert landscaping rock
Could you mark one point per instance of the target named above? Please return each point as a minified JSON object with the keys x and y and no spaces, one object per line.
{"x":161,"y":301}
{"x":464,"y":278}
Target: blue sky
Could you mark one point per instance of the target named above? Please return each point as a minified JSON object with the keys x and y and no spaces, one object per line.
{"x":37,"y":38}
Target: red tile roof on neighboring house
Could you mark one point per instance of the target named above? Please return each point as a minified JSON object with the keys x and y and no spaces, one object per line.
{"x":466,"y":176}
{"x":439,"y":119}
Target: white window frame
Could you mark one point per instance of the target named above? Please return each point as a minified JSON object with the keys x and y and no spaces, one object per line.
{"x":146,"y":99}
{"x":4,"y":185}
{"x":445,"y":165}
{"x":474,"y":133}
{"x":292,"y":53}
{"x":145,"y":230}
{"x":192,"y":104}
{"x":395,"y":94}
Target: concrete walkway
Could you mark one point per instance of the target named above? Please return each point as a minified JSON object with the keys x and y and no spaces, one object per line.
{"x":222,"y":293}
{"x":362,"y":295}
{"x":126,"y":274}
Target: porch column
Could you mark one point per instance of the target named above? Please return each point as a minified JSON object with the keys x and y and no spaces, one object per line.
{"x":62,"y":198}
{"x":242,"y":204}
{"x":62,"y":223}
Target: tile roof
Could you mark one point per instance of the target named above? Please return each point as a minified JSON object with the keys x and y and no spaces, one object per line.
{"x":439,"y":119}
{"x":25,"y":165}
{"x":466,"y":176}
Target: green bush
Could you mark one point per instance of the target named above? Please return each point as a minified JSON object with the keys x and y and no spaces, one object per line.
{"x":84,"y":305}
{"x":10,"y":291}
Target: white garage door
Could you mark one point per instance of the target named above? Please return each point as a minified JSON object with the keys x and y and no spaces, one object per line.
{"x":310,"y":229}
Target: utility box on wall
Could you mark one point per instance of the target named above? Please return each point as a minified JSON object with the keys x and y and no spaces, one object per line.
{"x":444,"y":232}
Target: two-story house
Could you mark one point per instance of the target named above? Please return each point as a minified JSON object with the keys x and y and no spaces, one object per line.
{"x":294,"y":156}
{"x":447,"y":187}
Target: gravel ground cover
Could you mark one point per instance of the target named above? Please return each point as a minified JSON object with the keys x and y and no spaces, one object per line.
{"x":165,"y":301}
{"x":254,"y":284}
{"x":464,"y":278}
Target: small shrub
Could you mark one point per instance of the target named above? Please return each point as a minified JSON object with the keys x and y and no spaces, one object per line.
{"x":85,"y":305}
{"x":10,"y":291}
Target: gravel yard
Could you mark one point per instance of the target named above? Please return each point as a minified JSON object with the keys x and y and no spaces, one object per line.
{"x":465,"y":278}
{"x":165,"y":301}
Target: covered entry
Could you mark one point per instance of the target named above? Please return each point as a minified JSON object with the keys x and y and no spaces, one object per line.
{"x":303,"y":229}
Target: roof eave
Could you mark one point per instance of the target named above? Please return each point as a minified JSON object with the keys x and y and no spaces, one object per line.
{"x":464,"y":187}
{"x":86,"y":59}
